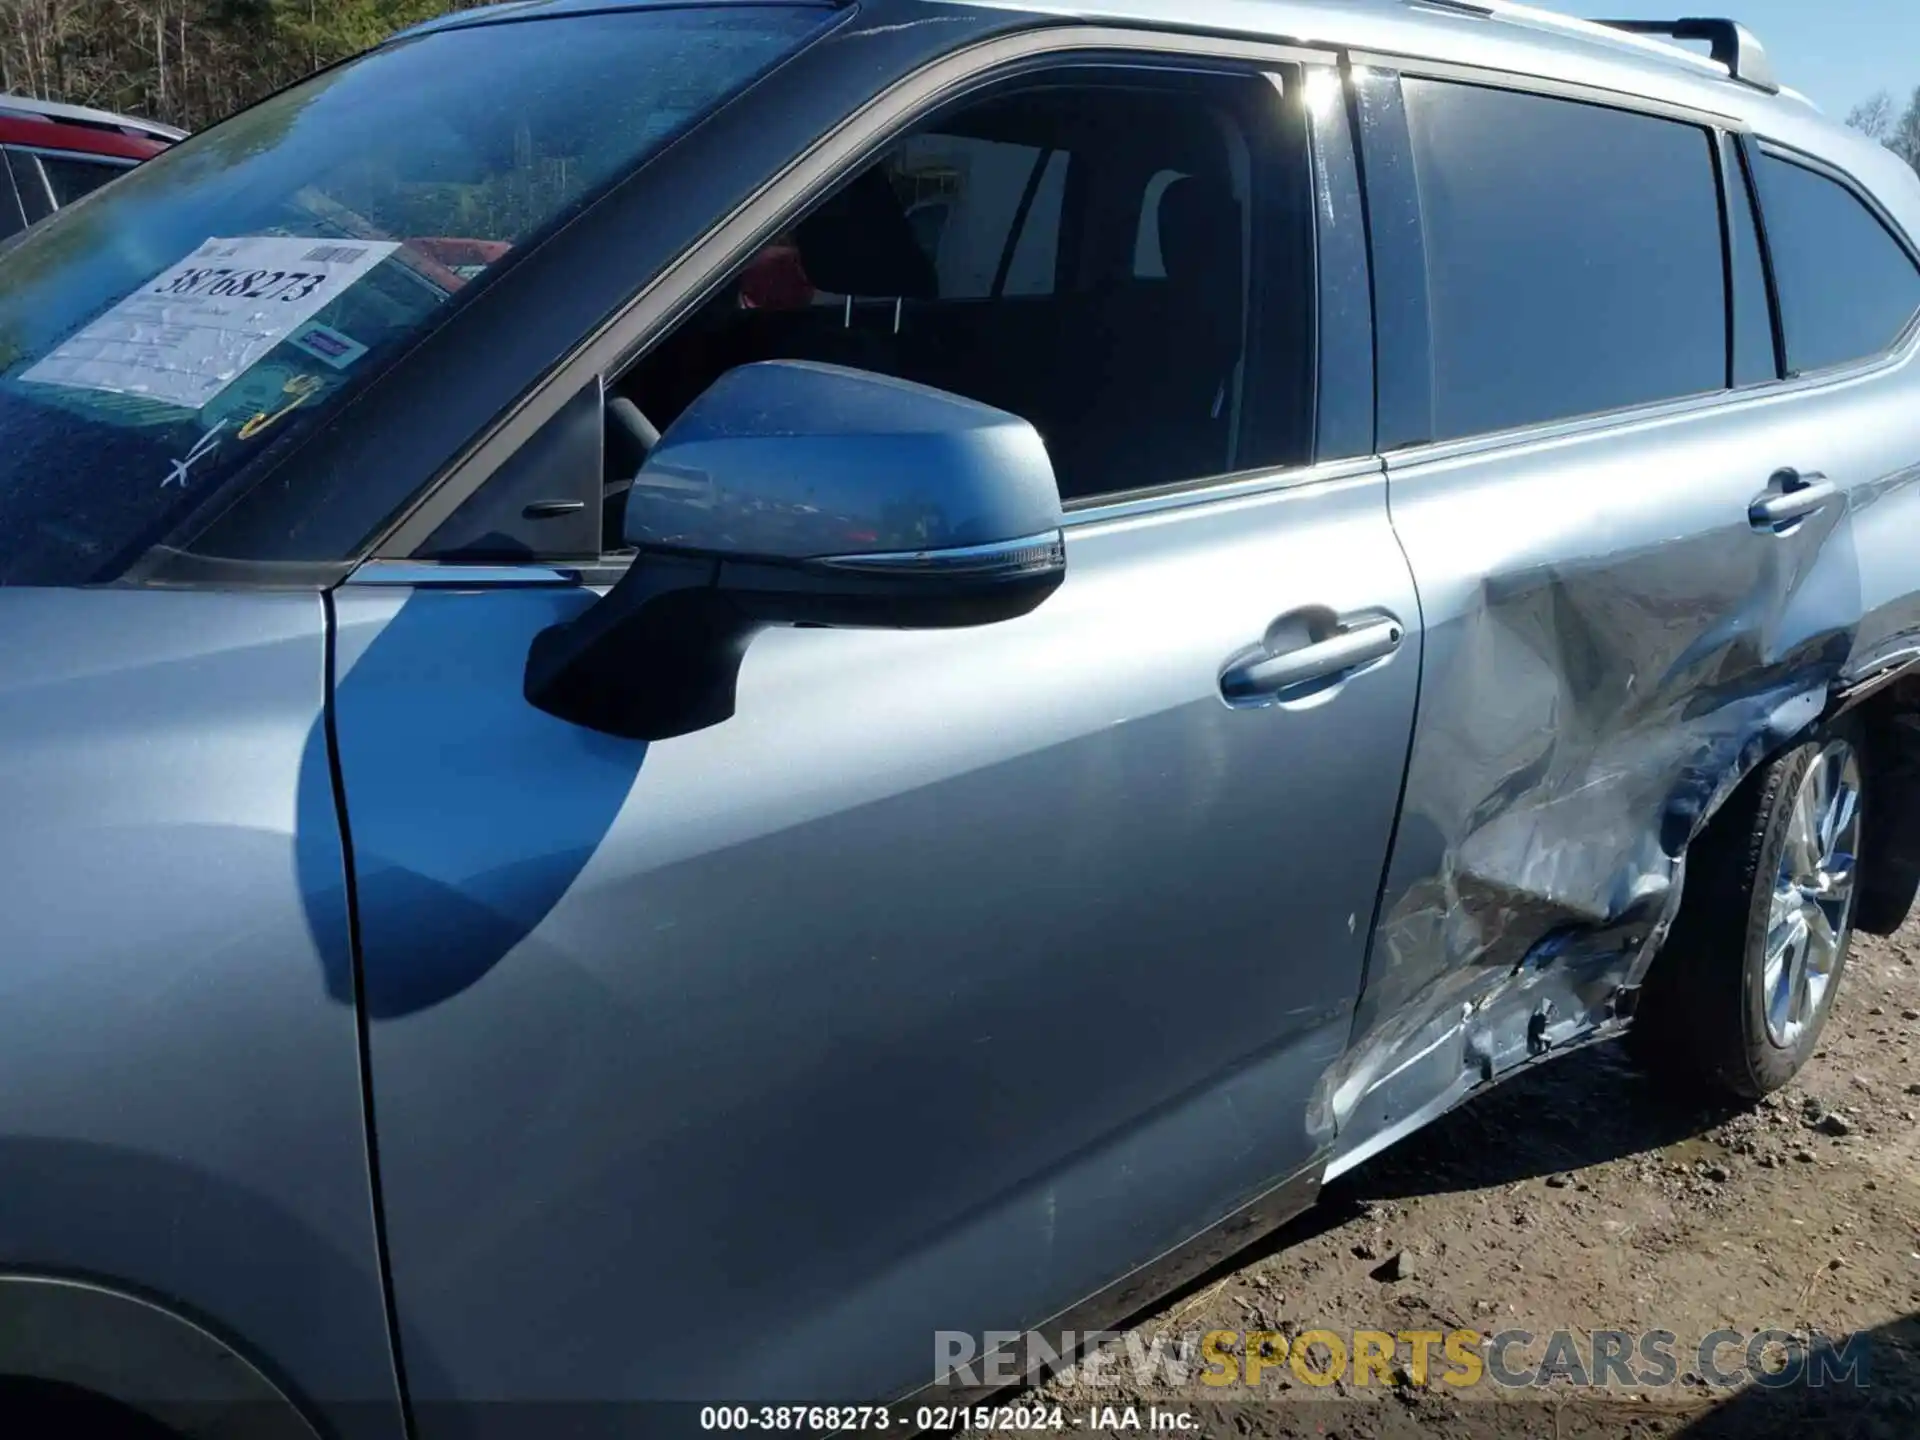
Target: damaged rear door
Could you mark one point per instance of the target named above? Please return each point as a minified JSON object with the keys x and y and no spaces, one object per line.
{"x":1634,"y":575}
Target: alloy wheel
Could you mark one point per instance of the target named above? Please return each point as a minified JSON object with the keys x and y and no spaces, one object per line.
{"x":1812,"y":893}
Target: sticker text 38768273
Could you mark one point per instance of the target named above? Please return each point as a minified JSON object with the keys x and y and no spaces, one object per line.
{"x":198,"y":325}
{"x":282,"y":285}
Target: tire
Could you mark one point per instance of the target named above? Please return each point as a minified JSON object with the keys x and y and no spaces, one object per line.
{"x":1746,"y":980}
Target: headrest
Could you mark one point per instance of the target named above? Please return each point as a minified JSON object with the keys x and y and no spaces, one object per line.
{"x":1199,"y":230}
{"x":859,"y":243}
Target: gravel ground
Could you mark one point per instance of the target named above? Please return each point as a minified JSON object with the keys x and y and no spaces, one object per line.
{"x":1585,"y":1196}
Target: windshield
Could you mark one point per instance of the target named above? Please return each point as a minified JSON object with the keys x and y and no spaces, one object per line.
{"x":155,"y":337}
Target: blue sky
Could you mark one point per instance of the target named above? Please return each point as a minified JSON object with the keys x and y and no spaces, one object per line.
{"x":1835,"y":52}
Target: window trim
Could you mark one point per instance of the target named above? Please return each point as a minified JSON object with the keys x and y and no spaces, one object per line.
{"x":84,"y":157}
{"x":1212,"y":489}
{"x":1759,"y":147}
{"x":1729,"y":303}
{"x":1396,"y":261}
{"x":1747,"y":183}
{"x":1650,"y":415}
{"x":1078,"y":515}
{"x":1337,"y":174}
{"x":860,"y":136}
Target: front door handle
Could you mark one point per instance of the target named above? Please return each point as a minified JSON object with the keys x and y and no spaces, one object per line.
{"x":1350,"y":647}
{"x":1788,"y":499}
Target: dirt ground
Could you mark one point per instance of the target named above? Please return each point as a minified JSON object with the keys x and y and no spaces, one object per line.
{"x":1585,"y":1196}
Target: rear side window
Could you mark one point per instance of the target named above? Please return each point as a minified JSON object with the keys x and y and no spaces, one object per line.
{"x":35,"y":203}
{"x":1574,"y":257}
{"x":70,"y":177}
{"x":1847,"y":287}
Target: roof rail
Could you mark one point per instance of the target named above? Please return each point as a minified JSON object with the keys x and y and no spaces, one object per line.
{"x":26,"y":107}
{"x":1733,"y":45}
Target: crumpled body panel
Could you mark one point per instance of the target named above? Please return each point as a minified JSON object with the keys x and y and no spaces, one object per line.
{"x":1611,"y":647}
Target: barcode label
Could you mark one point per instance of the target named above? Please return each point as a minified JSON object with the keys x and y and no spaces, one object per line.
{"x":333,"y":255}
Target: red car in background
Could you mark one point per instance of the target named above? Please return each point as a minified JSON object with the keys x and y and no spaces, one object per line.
{"x":52,"y":154}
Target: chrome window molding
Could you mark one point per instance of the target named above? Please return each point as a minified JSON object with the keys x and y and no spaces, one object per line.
{"x":1079,"y":516}
{"x":1662,"y":411}
{"x":84,"y":157}
{"x":480,"y":575}
{"x":1213,"y":490}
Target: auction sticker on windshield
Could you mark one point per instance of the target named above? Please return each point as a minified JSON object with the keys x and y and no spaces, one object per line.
{"x":198,"y":326}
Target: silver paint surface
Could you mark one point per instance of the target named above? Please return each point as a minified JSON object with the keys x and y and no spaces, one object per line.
{"x":180,"y":1104}
{"x":953,"y":976}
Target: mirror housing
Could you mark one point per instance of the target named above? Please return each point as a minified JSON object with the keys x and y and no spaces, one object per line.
{"x":798,"y":493}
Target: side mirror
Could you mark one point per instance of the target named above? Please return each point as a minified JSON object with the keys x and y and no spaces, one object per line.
{"x":795,"y":493}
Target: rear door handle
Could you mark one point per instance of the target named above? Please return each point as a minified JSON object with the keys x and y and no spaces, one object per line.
{"x":1351,"y":647}
{"x":1790,"y":497}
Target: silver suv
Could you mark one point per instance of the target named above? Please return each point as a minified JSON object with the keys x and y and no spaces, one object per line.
{"x":628,"y":773}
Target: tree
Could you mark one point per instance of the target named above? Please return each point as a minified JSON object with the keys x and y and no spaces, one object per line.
{"x":1905,"y":140}
{"x":188,"y":62}
{"x":1876,"y":118}
{"x":1873,"y":117}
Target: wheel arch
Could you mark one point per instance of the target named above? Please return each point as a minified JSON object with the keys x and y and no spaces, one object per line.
{"x":1887,"y":710}
{"x":144,"y":1354}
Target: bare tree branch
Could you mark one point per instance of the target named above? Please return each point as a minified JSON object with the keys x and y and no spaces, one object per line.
{"x":188,"y":62}
{"x":1873,"y":117}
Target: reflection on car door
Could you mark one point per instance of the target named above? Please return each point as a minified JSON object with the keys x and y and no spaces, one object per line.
{"x":951,"y":978}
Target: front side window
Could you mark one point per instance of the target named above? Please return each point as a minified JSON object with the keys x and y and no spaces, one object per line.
{"x":1574,"y":259}
{"x":235,"y":289}
{"x":998,"y":254}
{"x":1848,"y":288}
